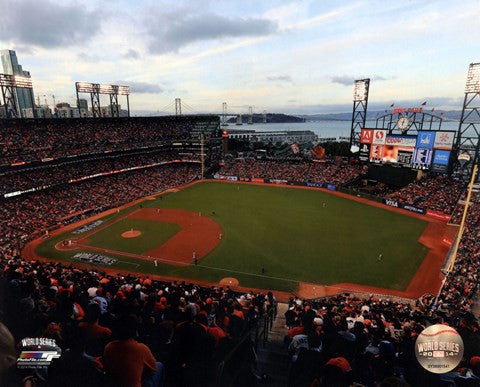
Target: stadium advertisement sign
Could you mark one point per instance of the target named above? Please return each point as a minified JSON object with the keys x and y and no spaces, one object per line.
{"x":405,"y":141}
{"x":379,"y":137}
{"x":232,"y":178}
{"x":314,"y":184}
{"x":364,"y":152}
{"x":425,"y":139}
{"x":438,"y":215}
{"x":444,"y":140}
{"x":441,"y":159}
{"x":257,"y":180}
{"x":408,"y":207}
{"x":331,"y":187}
{"x":366,"y":136}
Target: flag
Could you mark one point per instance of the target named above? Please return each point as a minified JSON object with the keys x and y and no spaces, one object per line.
{"x":392,"y":105}
{"x":424,"y":103}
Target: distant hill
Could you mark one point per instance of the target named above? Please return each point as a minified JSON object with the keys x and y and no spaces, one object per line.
{"x":274,"y":118}
{"x":450,"y":115}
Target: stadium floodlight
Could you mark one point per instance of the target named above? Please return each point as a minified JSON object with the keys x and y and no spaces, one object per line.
{"x":360,"y":90}
{"x":473,"y":79}
{"x":23,"y":82}
{"x":123,"y":90}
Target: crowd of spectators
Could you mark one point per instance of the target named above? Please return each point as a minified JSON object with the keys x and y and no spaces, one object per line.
{"x":463,"y":282}
{"x":292,"y":171}
{"x":22,"y":216}
{"x":437,"y":193}
{"x":27,"y":141}
{"x":343,"y":340}
{"x":120,"y":330}
{"x":14,"y":181}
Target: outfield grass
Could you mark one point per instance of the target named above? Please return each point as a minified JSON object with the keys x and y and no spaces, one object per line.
{"x":287,"y":232}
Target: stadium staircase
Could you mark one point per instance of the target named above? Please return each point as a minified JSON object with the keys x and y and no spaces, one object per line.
{"x":272,"y":359}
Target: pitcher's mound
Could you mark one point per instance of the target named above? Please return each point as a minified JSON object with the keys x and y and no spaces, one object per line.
{"x":230,"y":281}
{"x":131,"y":234}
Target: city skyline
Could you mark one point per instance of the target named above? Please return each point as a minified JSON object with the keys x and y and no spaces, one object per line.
{"x":292,"y":57}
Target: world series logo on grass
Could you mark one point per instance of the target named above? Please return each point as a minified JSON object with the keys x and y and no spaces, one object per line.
{"x":439,"y":348}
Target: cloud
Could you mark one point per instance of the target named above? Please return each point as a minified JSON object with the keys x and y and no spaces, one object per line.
{"x":88,"y":58}
{"x":142,"y":87}
{"x":169,"y":31}
{"x":280,"y":78}
{"x":48,"y":25}
{"x":132,"y":54}
{"x":348,"y":80}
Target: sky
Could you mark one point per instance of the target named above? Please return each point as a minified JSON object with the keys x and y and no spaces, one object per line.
{"x":297,"y":57}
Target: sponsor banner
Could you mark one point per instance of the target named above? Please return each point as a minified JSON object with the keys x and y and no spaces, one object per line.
{"x":447,"y":241}
{"x":406,"y":141}
{"x":391,"y":203}
{"x":364,"y":153}
{"x":408,"y":207}
{"x":422,"y":158}
{"x":444,"y":140}
{"x":257,"y":180}
{"x":438,"y":215}
{"x":425,"y":139}
{"x":441,"y":157}
{"x":417,"y":210}
{"x":366,"y":136}
{"x":440,"y":161}
{"x":277,"y":181}
{"x":314,"y":184}
{"x":379,"y":137}
{"x":376,"y":153}
{"x":232,"y":178}
{"x":331,"y":187}
{"x":87,"y":227}
{"x":94,"y":258}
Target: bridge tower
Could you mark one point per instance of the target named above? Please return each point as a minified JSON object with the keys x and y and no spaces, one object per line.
{"x":224,"y":116}
{"x":178,"y":106}
{"x":250,"y":115}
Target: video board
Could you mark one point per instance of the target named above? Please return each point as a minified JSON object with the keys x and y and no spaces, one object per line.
{"x":427,"y":150}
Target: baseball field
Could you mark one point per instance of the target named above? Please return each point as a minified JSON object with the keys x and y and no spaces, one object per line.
{"x":261,"y":236}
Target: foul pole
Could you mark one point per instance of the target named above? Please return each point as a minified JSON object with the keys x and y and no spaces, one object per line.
{"x":202,"y":156}
{"x":464,"y":217}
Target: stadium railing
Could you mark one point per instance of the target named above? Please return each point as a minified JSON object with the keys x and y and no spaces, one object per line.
{"x":241,"y":359}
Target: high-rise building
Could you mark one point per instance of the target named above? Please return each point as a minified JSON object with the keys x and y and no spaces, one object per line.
{"x":25,"y":98}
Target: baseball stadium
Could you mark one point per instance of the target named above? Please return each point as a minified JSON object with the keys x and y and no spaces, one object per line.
{"x":142,"y":249}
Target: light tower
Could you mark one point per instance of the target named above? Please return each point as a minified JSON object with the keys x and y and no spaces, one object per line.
{"x":359,"y":114}
{"x":178,"y":107}
{"x":468,"y":135}
{"x":250,"y":115}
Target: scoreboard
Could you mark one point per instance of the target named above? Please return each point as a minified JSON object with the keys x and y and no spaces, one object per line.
{"x":427,"y":150}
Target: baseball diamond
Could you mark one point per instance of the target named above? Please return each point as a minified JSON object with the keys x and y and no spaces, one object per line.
{"x":270,"y":237}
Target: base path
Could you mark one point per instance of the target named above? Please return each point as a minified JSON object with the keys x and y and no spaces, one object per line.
{"x":199,"y":234}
